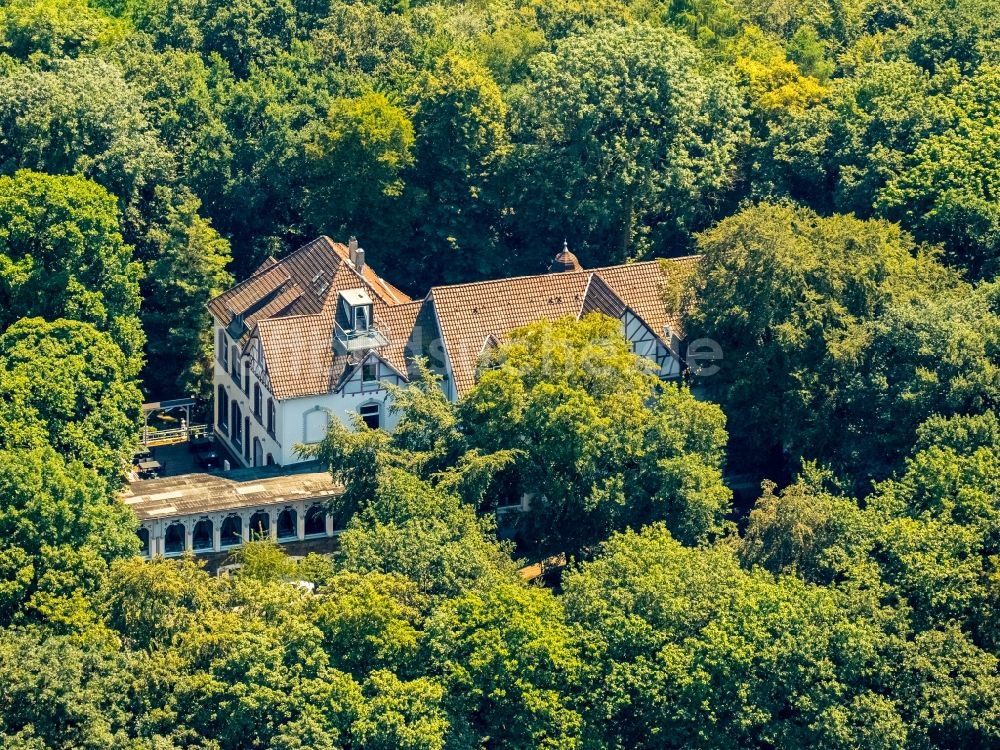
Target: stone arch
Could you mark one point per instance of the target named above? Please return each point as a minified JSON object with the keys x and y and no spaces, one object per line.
{"x":232,"y":531}
{"x":315,"y":521}
{"x":201,"y":537}
{"x":287,"y":524}
{"x":260,"y":525}
{"x":174,"y":540}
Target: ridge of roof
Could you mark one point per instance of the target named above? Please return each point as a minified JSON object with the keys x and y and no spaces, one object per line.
{"x":367,"y":274}
{"x":301,"y":268}
{"x":586,"y":291}
{"x":510,"y":279}
{"x":268,"y":263}
{"x":563,"y":274}
{"x":497,"y":307}
{"x":641,"y":287}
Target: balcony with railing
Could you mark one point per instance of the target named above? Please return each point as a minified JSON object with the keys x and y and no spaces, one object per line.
{"x":346,"y":341}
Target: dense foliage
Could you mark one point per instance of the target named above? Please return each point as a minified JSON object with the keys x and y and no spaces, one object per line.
{"x":463,"y":141}
{"x":840,"y":336}
{"x":836,"y":165}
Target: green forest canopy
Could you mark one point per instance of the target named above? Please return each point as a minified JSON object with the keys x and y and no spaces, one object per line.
{"x":464,"y":141}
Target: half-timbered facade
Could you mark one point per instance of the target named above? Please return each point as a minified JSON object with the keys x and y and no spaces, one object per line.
{"x":318,"y":336}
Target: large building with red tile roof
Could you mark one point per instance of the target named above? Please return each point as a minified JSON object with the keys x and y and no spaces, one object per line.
{"x":317,"y":336}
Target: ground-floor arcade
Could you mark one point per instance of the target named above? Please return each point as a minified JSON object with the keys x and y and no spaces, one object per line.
{"x":211,"y":513}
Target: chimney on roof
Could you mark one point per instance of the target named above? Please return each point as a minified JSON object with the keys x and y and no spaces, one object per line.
{"x":356,"y":254}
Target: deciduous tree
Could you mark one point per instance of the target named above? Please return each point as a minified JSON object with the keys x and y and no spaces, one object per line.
{"x":601,"y":443}
{"x":623,"y":141}
{"x":70,"y":384}
{"x":62,"y":256}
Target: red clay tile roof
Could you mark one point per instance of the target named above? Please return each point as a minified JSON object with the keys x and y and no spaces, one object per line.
{"x":641,"y":286}
{"x":269,"y":262}
{"x":294,"y":313}
{"x":468,"y":313}
{"x":397,"y":324}
{"x":299,"y":284}
{"x":601,"y":298}
{"x":298,"y":353}
{"x":298,"y":349}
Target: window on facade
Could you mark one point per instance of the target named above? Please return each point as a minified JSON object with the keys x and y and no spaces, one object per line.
{"x":371,"y":414}
{"x":270,"y":460}
{"x":173,"y":539}
{"x":222,"y":407}
{"x":270,"y":417}
{"x":232,"y":531}
{"x":260,"y":524}
{"x":246,"y":438}
{"x":222,"y":349}
{"x":246,"y":377}
{"x":369,"y":372}
{"x":258,"y":397}
{"x":237,"y":425}
{"x":144,"y":542}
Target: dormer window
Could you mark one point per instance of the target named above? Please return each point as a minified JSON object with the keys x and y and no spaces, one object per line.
{"x":355,"y":323}
{"x":355,"y":313}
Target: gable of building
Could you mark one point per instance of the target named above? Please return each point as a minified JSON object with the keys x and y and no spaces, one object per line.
{"x":644,"y":287}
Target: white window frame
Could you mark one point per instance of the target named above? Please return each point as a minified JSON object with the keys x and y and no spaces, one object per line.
{"x":223,"y":344}
{"x":377,"y":413}
{"x":365,"y":311}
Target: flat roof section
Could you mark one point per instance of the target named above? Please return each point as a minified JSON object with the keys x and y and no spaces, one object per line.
{"x":195,"y":494}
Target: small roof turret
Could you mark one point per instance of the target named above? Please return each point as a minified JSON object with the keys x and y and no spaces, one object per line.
{"x":565,"y":261}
